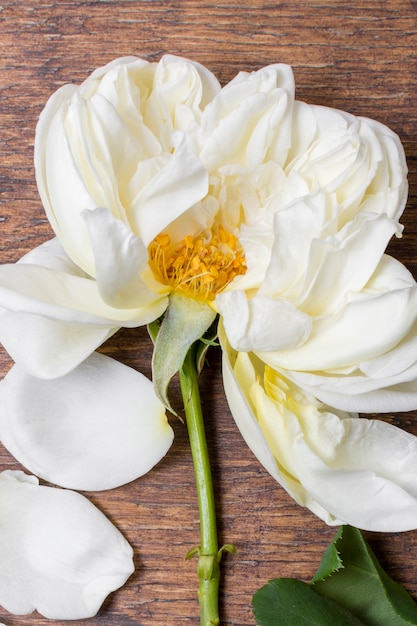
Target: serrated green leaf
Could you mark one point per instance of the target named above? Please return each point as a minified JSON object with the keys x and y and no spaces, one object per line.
{"x":290,"y":602}
{"x":363,"y":587}
{"x":330,"y":562}
{"x":185,"y":321}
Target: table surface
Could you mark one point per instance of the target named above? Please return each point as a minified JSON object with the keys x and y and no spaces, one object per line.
{"x":358,"y":56}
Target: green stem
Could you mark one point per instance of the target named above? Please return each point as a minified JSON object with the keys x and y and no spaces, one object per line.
{"x":209,"y":554}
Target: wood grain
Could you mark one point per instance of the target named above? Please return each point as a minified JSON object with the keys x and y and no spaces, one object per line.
{"x":359,"y":56}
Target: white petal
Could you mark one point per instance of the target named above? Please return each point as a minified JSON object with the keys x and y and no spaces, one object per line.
{"x":210,"y":86}
{"x":59,"y":180}
{"x":344,"y":264}
{"x":241,"y":408}
{"x":60,"y":555}
{"x":120,"y":260}
{"x":178,"y":185}
{"x":99,"y":427}
{"x":363,"y":472}
{"x":262,"y":323}
{"x":249,"y":120}
{"x":294,"y":229}
{"x":363,"y":330}
{"x":49,"y":348}
{"x":33,"y":288}
{"x":356,"y":391}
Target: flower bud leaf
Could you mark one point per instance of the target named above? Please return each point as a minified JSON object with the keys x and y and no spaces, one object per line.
{"x":185,"y":321}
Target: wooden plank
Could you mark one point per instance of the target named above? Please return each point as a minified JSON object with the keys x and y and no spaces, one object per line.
{"x":359,"y":56}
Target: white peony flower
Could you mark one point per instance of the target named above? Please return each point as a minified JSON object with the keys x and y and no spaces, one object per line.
{"x":164,"y":188}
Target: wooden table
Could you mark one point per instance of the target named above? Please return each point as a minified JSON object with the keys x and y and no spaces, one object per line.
{"x":359,"y":56}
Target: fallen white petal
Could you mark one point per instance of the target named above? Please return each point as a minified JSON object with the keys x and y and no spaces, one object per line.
{"x":99,"y":427}
{"x":60,"y":555}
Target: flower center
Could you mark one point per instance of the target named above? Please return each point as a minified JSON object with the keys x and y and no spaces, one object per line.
{"x":201,"y":265}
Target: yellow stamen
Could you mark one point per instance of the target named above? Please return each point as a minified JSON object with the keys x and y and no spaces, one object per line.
{"x":200,"y":266}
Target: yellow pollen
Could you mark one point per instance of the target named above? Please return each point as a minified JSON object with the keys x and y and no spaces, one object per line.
{"x":200,"y":266}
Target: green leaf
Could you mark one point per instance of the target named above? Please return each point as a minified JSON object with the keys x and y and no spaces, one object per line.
{"x":185,"y":321}
{"x":330,"y":562}
{"x":351,"y":578}
{"x":362,"y":586}
{"x":290,"y":602}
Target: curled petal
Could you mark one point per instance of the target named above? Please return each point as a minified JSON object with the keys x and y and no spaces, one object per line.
{"x":347,"y":470}
{"x":359,"y":160}
{"x":243,"y":410}
{"x":262,"y":321}
{"x":344,"y":265}
{"x":120,"y":259}
{"x":59,"y":181}
{"x":249,"y":120}
{"x":99,"y":427}
{"x":60,"y":555}
{"x":180,"y":182}
{"x":180,"y":90}
{"x":370,"y":325}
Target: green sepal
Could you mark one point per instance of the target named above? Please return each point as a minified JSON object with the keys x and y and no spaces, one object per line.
{"x":185,"y":321}
{"x":206,"y":342}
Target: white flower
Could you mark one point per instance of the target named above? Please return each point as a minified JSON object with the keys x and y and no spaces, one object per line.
{"x":271,"y":212}
{"x":59,"y":554}
{"x":275,"y":212}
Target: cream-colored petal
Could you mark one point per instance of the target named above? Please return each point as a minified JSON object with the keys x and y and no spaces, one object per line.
{"x":120,"y":259}
{"x":60,"y":555}
{"x":363,"y":472}
{"x":342,"y":266}
{"x":235,"y":382}
{"x":48,"y":348}
{"x":249,"y":120}
{"x":180,"y":183}
{"x":59,"y":180}
{"x":261,"y":323}
{"x":364,"y":329}
{"x":99,"y":427}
